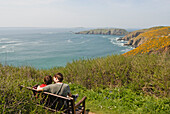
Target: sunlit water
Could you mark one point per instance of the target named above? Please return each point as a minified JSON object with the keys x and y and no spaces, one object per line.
{"x":49,"y":47}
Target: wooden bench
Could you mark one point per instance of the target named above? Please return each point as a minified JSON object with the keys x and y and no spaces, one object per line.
{"x":57,"y":103}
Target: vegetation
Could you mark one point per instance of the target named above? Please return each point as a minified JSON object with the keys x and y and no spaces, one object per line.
{"x":114,"y":84}
{"x":153,"y":40}
{"x":135,"y":83}
{"x":134,"y":34}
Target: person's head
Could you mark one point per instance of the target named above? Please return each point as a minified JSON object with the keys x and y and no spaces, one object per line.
{"x":48,"y":80}
{"x":58,"y":77}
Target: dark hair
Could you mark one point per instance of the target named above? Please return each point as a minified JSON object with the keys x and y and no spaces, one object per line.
{"x":59,"y":76}
{"x":48,"y":80}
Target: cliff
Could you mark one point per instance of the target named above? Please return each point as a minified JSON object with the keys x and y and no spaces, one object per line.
{"x":135,"y":38}
{"x":153,"y":41}
{"x":105,"y":32}
{"x":133,"y":34}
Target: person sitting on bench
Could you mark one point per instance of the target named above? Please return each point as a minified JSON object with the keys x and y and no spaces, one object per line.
{"x":47,"y":81}
{"x":55,"y":78}
{"x":58,"y":88}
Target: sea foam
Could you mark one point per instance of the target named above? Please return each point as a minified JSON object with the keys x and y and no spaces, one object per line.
{"x":115,"y":42}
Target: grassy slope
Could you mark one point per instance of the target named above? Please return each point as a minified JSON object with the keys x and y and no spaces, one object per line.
{"x":113,"y":84}
{"x":134,"y":34}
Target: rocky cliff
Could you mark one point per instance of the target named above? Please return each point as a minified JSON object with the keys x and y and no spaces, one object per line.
{"x":135,"y":38}
{"x":152,"y":41}
{"x":105,"y":32}
{"x":131,"y":35}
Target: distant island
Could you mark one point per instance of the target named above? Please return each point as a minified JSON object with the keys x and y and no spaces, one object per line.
{"x":113,"y":31}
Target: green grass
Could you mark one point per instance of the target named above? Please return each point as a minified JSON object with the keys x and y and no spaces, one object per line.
{"x":113,"y":84}
{"x":121,"y":100}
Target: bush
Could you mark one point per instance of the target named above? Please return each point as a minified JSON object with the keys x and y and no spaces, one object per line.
{"x":115,"y":83}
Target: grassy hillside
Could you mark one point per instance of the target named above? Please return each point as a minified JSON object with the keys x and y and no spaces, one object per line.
{"x":114,"y":84}
{"x":152,"y":41}
{"x":137,"y":83}
{"x":134,"y":34}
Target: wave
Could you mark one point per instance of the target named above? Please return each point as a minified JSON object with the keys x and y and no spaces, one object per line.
{"x":118,"y":44}
{"x":104,"y":36}
{"x":115,"y":42}
{"x":48,"y":33}
{"x":7,"y":41}
{"x":69,"y":41}
{"x":83,"y":42}
{"x":77,"y":43}
{"x":4,"y":46}
{"x":125,"y":50}
{"x":18,"y":44}
{"x":7,"y":46}
{"x":3,"y":39}
{"x":7,"y":51}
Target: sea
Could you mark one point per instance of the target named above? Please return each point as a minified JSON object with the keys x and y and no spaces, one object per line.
{"x":44,"y":48}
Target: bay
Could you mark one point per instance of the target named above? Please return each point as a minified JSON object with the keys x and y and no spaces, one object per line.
{"x":45,"y":48}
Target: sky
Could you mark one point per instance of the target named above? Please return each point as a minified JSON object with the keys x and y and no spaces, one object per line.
{"x":84,"y":13}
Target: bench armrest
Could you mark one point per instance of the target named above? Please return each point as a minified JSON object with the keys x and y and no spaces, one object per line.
{"x":81,"y":101}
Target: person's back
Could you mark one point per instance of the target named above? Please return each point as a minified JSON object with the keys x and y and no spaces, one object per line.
{"x":58,"y":88}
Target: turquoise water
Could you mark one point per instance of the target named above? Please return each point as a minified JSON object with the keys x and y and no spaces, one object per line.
{"x":51,"y":47}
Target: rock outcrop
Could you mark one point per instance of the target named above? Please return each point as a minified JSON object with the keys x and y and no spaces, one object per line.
{"x":135,"y":39}
{"x":132,"y":35}
{"x":155,"y":41}
{"x":105,"y":32}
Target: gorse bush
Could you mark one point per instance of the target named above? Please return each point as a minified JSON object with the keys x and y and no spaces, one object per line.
{"x":153,"y":40}
{"x":115,"y":83}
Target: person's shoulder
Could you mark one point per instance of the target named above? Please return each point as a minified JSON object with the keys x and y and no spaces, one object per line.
{"x":52,"y":84}
{"x":66,"y":85}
